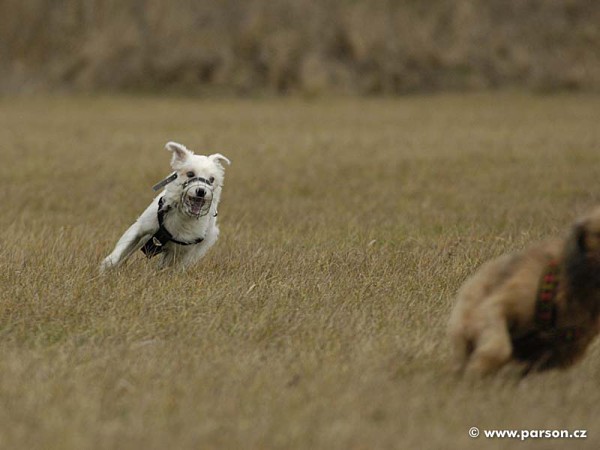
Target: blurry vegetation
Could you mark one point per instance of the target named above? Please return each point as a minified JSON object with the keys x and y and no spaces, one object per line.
{"x":299,"y":46}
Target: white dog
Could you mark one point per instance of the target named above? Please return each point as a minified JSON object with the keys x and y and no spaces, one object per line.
{"x":181,"y":223}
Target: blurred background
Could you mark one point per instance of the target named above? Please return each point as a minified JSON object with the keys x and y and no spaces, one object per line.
{"x":250,"y":47}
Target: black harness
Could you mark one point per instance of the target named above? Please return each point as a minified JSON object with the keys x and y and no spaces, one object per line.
{"x":156,"y":243}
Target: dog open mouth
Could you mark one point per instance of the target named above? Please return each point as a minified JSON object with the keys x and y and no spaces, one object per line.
{"x":197,"y":197}
{"x":196,"y":205}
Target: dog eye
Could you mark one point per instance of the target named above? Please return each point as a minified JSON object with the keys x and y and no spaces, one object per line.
{"x":212,"y":180}
{"x":190,"y":174}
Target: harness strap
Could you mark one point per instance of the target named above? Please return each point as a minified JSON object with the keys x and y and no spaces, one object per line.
{"x":155,"y":244}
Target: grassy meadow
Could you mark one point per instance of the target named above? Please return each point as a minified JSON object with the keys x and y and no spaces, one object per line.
{"x":318,"y":319}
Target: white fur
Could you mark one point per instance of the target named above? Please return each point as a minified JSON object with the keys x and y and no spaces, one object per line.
{"x":181,"y":225}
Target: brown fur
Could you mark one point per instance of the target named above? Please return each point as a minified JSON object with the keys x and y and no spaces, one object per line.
{"x":493,"y":321}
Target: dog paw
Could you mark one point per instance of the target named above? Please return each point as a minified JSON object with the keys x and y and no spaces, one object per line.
{"x":107,"y":264}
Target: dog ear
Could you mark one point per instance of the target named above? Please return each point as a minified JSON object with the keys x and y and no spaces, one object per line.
{"x":218,"y":158}
{"x":180,"y":154}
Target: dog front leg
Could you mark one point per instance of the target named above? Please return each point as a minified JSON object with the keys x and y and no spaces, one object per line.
{"x":493,"y":349}
{"x":133,"y":239}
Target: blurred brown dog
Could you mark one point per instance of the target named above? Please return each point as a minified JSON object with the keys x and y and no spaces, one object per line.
{"x":540,"y":307}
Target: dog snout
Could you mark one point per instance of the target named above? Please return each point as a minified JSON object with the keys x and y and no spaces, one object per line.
{"x":200,"y":192}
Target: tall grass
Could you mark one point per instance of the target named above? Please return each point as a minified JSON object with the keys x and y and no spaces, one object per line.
{"x":318,"y":319}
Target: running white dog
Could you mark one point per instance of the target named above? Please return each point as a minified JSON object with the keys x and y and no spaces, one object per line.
{"x":181,"y":223}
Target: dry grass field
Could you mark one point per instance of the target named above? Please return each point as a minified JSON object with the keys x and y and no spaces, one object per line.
{"x":318,"y":319}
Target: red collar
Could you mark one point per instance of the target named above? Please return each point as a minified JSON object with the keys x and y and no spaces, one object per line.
{"x":545,"y":305}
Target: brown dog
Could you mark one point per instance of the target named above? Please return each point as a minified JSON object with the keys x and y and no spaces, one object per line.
{"x":540,"y":307}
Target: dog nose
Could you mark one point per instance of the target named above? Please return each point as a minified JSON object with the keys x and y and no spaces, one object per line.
{"x":200,"y":192}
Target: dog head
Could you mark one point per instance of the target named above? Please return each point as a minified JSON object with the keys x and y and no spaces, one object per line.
{"x":198,"y":181}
